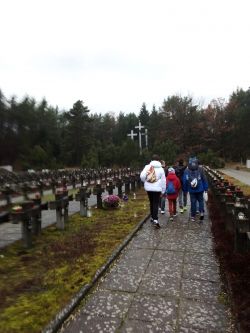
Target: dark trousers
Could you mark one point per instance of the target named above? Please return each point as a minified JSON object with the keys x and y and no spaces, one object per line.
{"x":194,"y":198}
{"x":154,"y":198}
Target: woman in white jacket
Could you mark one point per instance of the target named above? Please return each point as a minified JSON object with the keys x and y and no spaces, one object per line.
{"x":155,"y":185}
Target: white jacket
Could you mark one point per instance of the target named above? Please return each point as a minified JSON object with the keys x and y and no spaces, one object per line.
{"x":160,"y":184}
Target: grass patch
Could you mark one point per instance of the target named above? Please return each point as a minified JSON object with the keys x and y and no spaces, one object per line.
{"x":36,"y":283}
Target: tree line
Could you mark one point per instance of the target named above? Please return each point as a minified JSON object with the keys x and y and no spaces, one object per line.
{"x":36,"y":135}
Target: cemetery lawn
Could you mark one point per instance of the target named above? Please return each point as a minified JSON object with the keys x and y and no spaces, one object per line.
{"x":36,"y":283}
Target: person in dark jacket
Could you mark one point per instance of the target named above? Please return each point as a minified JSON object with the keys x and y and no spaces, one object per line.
{"x":182,"y":197}
{"x":172,"y":180}
{"x":195,"y":182}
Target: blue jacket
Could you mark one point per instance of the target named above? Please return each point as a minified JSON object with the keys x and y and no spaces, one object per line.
{"x":201,"y":186}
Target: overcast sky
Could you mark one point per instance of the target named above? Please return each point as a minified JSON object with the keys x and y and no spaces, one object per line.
{"x":114,"y":55}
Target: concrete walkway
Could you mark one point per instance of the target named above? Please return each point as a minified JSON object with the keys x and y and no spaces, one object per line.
{"x":165,"y":280}
{"x":242,"y":176}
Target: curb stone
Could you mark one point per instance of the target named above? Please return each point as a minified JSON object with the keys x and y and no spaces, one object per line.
{"x":61,"y":316}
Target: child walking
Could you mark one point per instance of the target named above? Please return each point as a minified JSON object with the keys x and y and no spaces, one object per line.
{"x":173,"y":186}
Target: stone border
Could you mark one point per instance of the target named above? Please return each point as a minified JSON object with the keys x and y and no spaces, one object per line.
{"x":61,"y":316}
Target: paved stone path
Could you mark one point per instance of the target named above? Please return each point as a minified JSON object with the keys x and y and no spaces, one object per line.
{"x":166,"y":280}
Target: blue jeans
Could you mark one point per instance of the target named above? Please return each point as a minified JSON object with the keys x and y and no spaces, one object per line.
{"x":194,"y":198}
{"x":182,"y":198}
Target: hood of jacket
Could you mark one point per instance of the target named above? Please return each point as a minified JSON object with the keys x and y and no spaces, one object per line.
{"x":155,"y":164}
{"x":171,"y":176}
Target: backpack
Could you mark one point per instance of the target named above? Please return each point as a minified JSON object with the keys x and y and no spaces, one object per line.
{"x":151,"y":175}
{"x":194,"y":178}
{"x":170,"y":189}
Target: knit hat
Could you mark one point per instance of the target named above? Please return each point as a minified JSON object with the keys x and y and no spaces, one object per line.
{"x":171,"y":170}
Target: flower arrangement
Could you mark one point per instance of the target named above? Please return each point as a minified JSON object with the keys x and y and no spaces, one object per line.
{"x":125,"y":197}
{"x":111,"y":201}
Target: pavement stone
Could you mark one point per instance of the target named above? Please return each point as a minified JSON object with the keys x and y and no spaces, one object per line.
{"x":165,"y":280}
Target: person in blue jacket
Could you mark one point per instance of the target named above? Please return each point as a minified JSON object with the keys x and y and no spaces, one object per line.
{"x":195,"y":182}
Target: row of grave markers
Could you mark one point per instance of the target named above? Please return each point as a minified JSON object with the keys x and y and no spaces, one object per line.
{"x":28,"y":212}
{"x":235,"y":209}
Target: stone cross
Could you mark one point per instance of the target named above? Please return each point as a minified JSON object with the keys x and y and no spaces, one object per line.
{"x":146,"y":137}
{"x":132,"y":134}
{"x":139,"y":128}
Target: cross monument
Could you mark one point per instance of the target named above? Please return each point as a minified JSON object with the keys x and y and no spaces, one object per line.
{"x":139,"y":128}
{"x":132,"y":134}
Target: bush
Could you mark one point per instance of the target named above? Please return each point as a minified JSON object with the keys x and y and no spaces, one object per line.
{"x":211,"y":159}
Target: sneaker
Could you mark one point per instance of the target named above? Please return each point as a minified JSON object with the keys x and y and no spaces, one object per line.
{"x":202,"y":217}
{"x":192,"y":219}
{"x":175,"y":215}
{"x":151,"y":220}
{"x":185,"y":208}
{"x":197,"y":212}
{"x":162,"y":211}
{"x":171,"y":218}
{"x":181,"y":210}
{"x":156,"y":224}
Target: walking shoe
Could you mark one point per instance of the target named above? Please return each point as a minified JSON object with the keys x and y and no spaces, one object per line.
{"x":202,"y":217}
{"x":171,"y":218}
{"x":181,"y":210}
{"x":163,"y":211}
{"x":197,"y":212}
{"x":185,"y":208}
{"x":192,"y":219}
{"x":151,"y":220}
{"x":156,"y":224}
{"x":175,"y":215}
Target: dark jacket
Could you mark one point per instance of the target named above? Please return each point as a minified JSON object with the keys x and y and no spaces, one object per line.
{"x":179,"y":171}
{"x":202,"y":184}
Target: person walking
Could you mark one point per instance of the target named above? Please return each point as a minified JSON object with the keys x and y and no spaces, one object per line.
{"x":173,"y":186}
{"x":182,"y":196}
{"x":153,"y":177}
{"x":195,"y":182}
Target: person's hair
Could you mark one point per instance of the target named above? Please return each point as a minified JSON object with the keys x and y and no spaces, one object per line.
{"x":181,"y":161}
{"x":155,"y":157}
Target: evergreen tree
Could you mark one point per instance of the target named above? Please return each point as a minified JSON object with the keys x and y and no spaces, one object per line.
{"x":77,"y":138}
